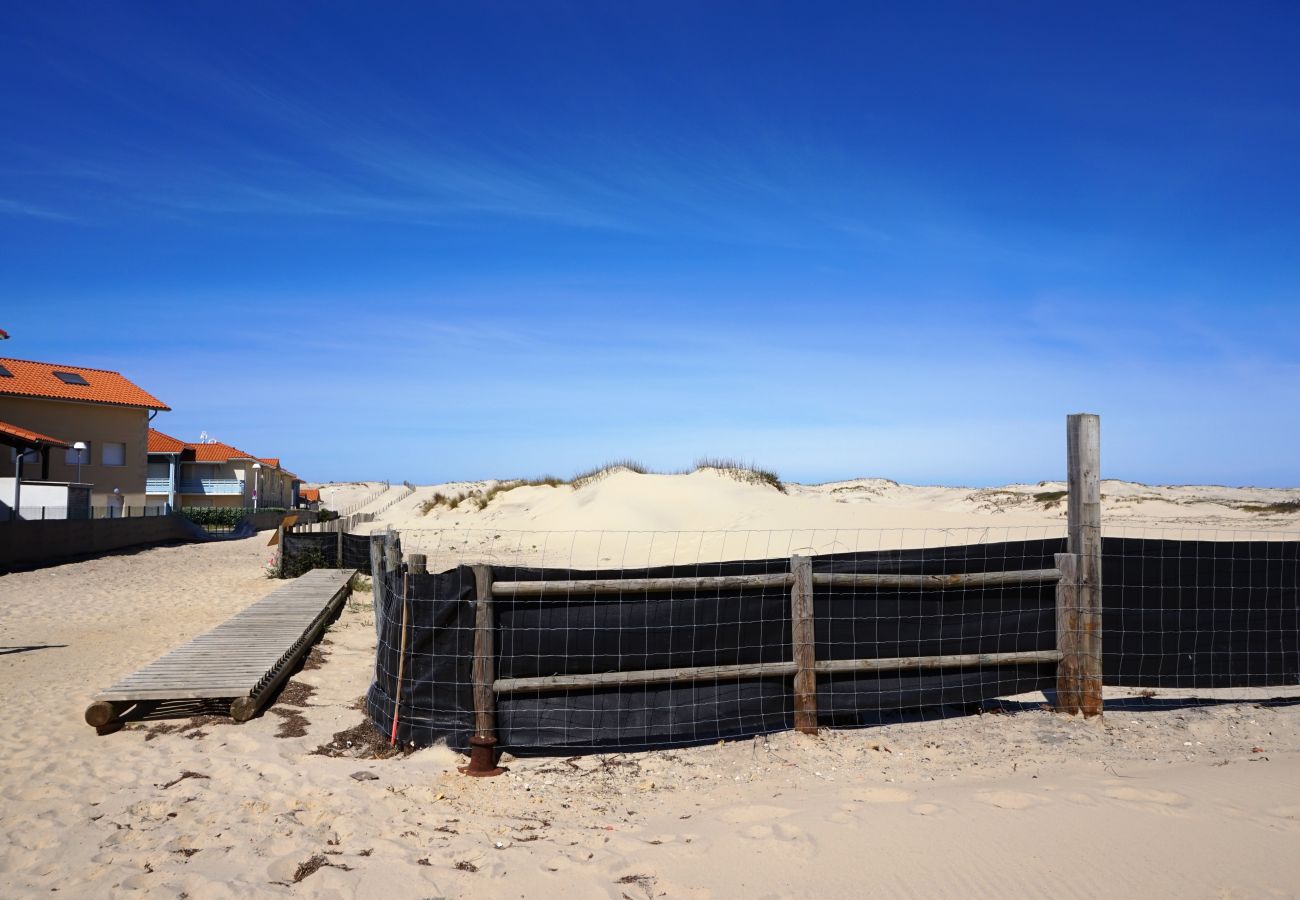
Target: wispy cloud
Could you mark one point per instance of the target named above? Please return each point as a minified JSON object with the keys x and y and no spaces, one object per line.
{"x":10,"y":207}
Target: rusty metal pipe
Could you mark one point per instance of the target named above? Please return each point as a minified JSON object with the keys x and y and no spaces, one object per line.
{"x":482,"y":758}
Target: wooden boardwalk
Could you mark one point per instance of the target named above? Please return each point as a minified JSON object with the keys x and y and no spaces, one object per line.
{"x":244,"y":659}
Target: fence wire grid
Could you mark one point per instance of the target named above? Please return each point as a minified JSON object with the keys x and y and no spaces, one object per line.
{"x":1208,"y":612}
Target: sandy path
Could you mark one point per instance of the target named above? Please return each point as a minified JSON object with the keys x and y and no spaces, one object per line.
{"x":1190,"y":801}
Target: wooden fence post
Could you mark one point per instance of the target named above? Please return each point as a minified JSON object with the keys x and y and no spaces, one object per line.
{"x":279,"y":551}
{"x":417,"y":564}
{"x":392,"y":551}
{"x":483,"y":756}
{"x":393,"y":563}
{"x":338,"y":544}
{"x":1069,"y":676}
{"x":1079,"y":673}
{"x":377,"y":569}
{"x":802,"y":636}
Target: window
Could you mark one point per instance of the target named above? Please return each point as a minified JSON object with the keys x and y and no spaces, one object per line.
{"x":78,"y":457}
{"x":114,"y":454}
{"x":31,"y":458}
{"x":70,"y":378}
{"x":5,"y":373}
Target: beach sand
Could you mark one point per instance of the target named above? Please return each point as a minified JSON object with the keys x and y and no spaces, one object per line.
{"x":1159,"y":797}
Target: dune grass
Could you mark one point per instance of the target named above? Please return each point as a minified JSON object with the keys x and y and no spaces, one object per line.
{"x":1281,"y":508}
{"x":591,"y":476}
{"x":749,"y":473}
{"x":481,"y":499}
{"x":744,"y":472}
{"x":501,"y":487}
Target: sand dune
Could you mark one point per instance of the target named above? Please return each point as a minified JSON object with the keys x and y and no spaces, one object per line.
{"x":629,"y":519}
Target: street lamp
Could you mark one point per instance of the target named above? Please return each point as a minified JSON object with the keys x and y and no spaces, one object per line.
{"x":80,"y":447}
{"x":257,"y":475}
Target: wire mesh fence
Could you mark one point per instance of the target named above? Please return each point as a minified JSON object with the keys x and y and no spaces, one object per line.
{"x":634,"y":640}
{"x":52,"y":513}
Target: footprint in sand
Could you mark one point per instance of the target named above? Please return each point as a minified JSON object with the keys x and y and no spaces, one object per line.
{"x":743,"y":815}
{"x":1146,"y":796}
{"x":787,"y":832}
{"x":1010,"y":799}
{"x":883,"y":795}
{"x":1289,"y":814}
{"x":929,"y":809}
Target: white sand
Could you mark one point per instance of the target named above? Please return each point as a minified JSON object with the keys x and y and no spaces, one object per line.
{"x":1188,"y":802}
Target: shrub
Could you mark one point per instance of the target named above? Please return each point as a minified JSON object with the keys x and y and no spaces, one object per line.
{"x":224,"y":516}
{"x":215,"y":516}
{"x":1050,"y":498}
{"x":304,"y":562}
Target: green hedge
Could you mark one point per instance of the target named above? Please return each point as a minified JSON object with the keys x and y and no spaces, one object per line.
{"x":222,"y":516}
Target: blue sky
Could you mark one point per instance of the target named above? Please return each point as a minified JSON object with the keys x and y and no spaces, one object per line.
{"x":447,"y":241}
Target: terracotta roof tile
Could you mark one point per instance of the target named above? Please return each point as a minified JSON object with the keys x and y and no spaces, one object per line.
{"x":164,"y":443}
{"x":216,"y":451}
{"x":311,"y":495}
{"x":37,"y":379}
{"x":30,"y":437}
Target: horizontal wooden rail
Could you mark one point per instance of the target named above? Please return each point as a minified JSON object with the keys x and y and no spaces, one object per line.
{"x":964,"y":580}
{"x":767,"y":670}
{"x":780,"y":580}
{"x":635,"y":585}
{"x":1022,"y":658}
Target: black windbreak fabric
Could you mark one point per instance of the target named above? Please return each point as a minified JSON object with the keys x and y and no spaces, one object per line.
{"x":321,"y":549}
{"x":1200,"y":614}
{"x":1175,"y":614}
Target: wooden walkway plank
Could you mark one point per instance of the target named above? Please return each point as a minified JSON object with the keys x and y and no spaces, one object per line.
{"x":244,"y":659}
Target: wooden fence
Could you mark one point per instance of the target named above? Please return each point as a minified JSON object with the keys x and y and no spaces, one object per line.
{"x":1077,"y":576}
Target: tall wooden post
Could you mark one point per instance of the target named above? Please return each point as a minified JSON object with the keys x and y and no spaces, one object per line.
{"x":483,"y":756}
{"x":392,"y":551}
{"x":418,"y":564}
{"x":338,"y":544}
{"x":1079,"y":628}
{"x":803,"y":638}
{"x":377,"y":576}
{"x":279,"y":550}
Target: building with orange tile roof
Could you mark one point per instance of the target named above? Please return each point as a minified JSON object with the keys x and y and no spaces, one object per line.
{"x":98,"y":408}
{"x":214,"y":473}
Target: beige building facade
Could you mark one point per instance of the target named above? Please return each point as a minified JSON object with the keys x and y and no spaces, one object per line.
{"x":115,"y":439}
{"x":111,"y":418}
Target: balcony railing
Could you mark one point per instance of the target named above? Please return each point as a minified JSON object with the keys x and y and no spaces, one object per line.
{"x":211,"y":486}
{"x":157,"y":485}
